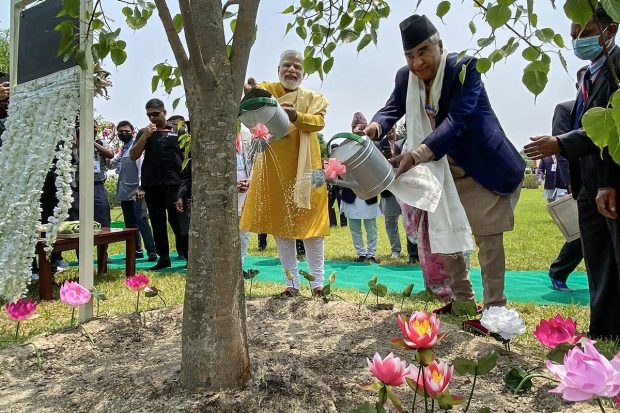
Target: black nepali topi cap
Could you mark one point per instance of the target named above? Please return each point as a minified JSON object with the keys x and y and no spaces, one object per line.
{"x":415,"y":29}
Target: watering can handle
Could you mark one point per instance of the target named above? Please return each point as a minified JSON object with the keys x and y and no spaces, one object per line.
{"x":345,"y":135}
{"x":250,"y":102}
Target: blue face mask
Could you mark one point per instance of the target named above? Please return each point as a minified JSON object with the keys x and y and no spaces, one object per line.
{"x":588,"y":48}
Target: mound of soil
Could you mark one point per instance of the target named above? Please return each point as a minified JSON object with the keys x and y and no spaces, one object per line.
{"x":306,"y":356}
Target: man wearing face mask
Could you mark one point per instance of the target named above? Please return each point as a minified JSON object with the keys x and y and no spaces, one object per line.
{"x":128,"y":191}
{"x":281,"y":200}
{"x":160,"y":179}
{"x":5,"y":92}
{"x":595,"y":177}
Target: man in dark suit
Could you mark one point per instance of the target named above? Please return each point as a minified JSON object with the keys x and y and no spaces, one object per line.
{"x":571,"y":253}
{"x":486,"y":167}
{"x":595,"y":177}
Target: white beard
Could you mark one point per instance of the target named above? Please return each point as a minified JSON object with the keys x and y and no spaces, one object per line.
{"x":290,"y":84}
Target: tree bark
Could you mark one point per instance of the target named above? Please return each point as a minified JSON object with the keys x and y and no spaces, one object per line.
{"x":214,"y":342}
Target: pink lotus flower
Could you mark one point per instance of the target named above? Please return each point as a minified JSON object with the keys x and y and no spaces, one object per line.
{"x":73,"y":294}
{"x":137,"y":282}
{"x":586,"y":374}
{"x":260,"y":131}
{"x":435,"y":379}
{"x":420,"y":330}
{"x":21,"y":309}
{"x":390,"y":371}
{"x":557,"y":330}
{"x":334,"y":167}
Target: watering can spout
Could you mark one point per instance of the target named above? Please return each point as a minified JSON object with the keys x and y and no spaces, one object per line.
{"x":343,"y":183}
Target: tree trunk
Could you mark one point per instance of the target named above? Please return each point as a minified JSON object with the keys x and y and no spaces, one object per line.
{"x":214,"y":342}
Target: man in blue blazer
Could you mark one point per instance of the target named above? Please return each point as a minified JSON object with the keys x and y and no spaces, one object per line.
{"x":486,"y":167}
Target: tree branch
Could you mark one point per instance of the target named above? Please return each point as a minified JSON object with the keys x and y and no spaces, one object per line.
{"x":173,"y":37}
{"x":228,"y":4}
{"x":202,"y":74}
{"x":243,"y":38}
{"x":210,"y":32}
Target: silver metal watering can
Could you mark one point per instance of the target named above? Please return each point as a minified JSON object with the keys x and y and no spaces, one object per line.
{"x":368,"y":172}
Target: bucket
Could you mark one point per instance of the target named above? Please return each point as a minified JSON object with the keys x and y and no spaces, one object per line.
{"x":265,"y":110}
{"x":368,"y":172}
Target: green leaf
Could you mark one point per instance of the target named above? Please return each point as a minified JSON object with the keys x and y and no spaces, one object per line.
{"x":307,"y":275}
{"x":513,"y":379}
{"x":598,"y":124}
{"x":151,"y":292}
{"x":96,"y":24}
{"x":497,"y":55}
{"x":80,"y":59}
{"x":345,"y":21}
{"x":485,"y":41}
{"x":612,"y":7}
{"x":327,"y":290}
{"x":395,"y":401}
{"x":127,"y":11}
{"x":613,"y":145}
{"x":487,"y":363}
{"x":531,"y":53}
{"x":545,"y":35}
{"x":364,"y":42}
{"x":289,"y":26}
{"x":485,"y":410}
{"x":563,"y":61}
{"x":312,"y":64}
{"x":558,"y":40}
{"x":289,"y":9}
{"x":407,"y":291}
{"x":288,"y":275}
{"x":373,"y":281}
{"x":71,"y":8}
{"x":483,"y":65}
{"x":464,"y":366}
{"x":535,"y":81}
{"x":463,"y":73}
{"x":348,"y":35}
{"x":175,"y":103}
{"x":177,"y":20}
{"x":301,"y":32}
{"x":118,"y":56}
{"x":359,"y":25}
{"x":533,"y":19}
{"x":443,"y":8}
{"x":381,"y":290}
{"x":498,"y":15}
{"x":233,"y":25}
{"x":472,"y":27}
{"x":329,"y":49}
{"x":98,"y":295}
{"x":558,"y":352}
{"x":578,"y":11}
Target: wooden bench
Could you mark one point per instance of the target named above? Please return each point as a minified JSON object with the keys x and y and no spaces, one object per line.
{"x":101,"y":240}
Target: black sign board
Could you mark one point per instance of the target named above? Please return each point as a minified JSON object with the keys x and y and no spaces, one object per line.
{"x":38,"y":42}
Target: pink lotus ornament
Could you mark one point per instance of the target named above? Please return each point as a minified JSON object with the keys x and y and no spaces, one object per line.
{"x":74,"y":295}
{"x":260,"y":131}
{"x":435,"y":378}
{"x":586,"y":374}
{"x":334,"y":167}
{"x":137,"y":282}
{"x":390,"y":371}
{"x":21,"y":309}
{"x":421,"y":331}
{"x":557,"y":330}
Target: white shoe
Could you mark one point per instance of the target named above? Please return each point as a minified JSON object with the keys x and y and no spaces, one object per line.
{"x":395,"y":255}
{"x":34,"y":276}
{"x":62,"y":264}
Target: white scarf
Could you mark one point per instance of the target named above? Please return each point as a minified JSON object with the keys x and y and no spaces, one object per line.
{"x":430,"y":186}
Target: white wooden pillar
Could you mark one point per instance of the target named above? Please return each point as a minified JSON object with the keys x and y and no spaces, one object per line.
{"x":86,"y":162}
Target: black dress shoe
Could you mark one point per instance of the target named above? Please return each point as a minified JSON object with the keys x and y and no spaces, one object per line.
{"x":152,"y":258}
{"x":361,"y":258}
{"x":161,"y":264}
{"x":373,"y":260}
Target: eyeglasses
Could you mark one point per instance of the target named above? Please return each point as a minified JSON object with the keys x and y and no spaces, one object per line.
{"x":152,"y":114}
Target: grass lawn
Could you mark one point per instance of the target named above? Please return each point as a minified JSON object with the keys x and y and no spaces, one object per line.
{"x":532,"y":246}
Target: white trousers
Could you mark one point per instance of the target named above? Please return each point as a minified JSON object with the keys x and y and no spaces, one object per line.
{"x":315,"y":256}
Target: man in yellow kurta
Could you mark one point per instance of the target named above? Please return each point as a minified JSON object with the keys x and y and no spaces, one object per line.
{"x":281,"y":199}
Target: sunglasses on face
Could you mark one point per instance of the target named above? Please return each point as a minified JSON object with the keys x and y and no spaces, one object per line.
{"x":153,"y":114}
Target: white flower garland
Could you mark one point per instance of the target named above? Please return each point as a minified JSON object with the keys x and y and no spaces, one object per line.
{"x":64,"y":171}
{"x":41,"y":113}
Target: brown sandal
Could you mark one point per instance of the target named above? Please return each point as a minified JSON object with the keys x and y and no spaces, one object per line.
{"x":317,"y":292}
{"x":289,"y":292}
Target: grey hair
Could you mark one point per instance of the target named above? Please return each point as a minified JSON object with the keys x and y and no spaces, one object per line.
{"x":291,"y":52}
{"x":435,"y":39}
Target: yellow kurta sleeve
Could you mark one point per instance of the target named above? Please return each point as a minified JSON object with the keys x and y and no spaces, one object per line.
{"x":309,"y":123}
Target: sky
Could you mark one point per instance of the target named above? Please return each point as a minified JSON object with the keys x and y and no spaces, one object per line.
{"x":358,"y":82}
